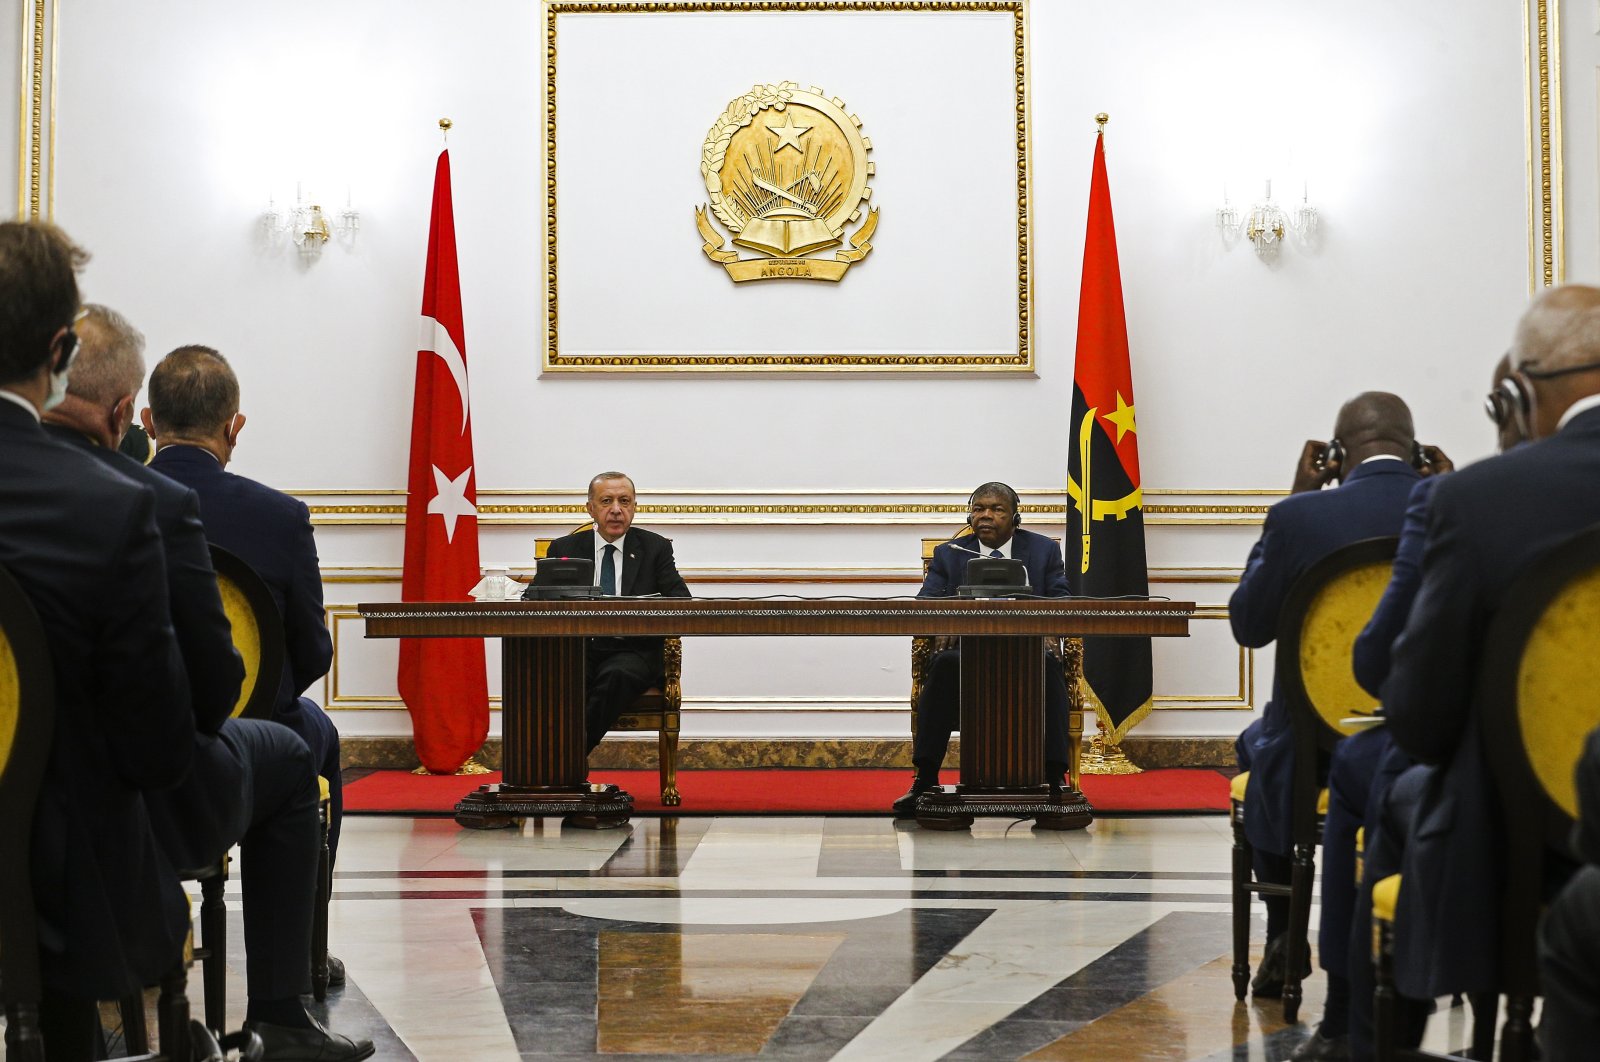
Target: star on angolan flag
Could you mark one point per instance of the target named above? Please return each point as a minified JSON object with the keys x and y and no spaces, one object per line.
{"x":450,"y":501}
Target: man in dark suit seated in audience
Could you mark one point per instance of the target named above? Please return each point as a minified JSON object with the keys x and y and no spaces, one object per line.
{"x":628,"y":562}
{"x":252,"y":782}
{"x":1569,"y":936}
{"x":1361,"y":770}
{"x":1371,"y":458}
{"x":82,"y":542}
{"x":994,"y":517}
{"x":194,"y":418}
{"x":1485,"y":524}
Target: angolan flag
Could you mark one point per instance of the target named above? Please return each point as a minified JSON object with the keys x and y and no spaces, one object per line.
{"x":1105,"y":517}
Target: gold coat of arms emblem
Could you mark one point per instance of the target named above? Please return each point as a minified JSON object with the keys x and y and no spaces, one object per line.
{"x":786,"y":170}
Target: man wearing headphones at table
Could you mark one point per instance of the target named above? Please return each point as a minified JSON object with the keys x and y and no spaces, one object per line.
{"x":994,"y":516}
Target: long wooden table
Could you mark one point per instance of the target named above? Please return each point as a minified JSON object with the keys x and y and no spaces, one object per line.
{"x":1002,"y":686}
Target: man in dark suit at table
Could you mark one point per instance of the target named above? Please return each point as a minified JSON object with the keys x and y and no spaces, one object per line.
{"x":1486,"y":523}
{"x":82,"y":543}
{"x":1370,"y":457}
{"x":252,"y":782}
{"x":194,"y":418}
{"x":628,"y":562}
{"x":995,"y":517}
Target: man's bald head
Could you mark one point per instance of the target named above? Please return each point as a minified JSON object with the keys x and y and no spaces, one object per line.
{"x":1375,"y":422}
{"x":1557,"y":352}
{"x":193,"y":394}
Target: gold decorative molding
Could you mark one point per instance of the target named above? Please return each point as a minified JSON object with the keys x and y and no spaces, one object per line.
{"x":36,"y":111}
{"x":1541,"y":70}
{"x":1021,"y":361}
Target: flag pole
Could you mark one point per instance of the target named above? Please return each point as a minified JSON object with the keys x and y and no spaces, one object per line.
{"x":1101,"y":757}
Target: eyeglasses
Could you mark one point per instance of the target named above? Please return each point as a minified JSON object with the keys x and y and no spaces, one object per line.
{"x":1550,"y":374}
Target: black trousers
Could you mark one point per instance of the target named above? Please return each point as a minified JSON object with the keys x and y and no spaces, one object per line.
{"x":1569,"y":970}
{"x":939,"y":712}
{"x":311,"y":722}
{"x":616,"y":671}
{"x":255,"y":786}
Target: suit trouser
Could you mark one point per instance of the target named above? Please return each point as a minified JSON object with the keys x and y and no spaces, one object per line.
{"x":1354,"y":766}
{"x":615,"y":675}
{"x":307,"y":719}
{"x":939,"y":712}
{"x":1569,"y":970}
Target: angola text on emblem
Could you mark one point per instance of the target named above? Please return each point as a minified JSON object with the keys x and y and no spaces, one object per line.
{"x":786,"y":170}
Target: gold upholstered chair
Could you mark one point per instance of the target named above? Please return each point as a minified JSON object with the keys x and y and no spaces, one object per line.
{"x":27,"y":726}
{"x":1538,"y":696}
{"x":1069,"y":651}
{"x":1325,"y":610}
{"x":258,"y":636}
{"x":659,"y":708}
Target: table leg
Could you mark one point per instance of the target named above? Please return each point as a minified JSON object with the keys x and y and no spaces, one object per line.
{"x":542,"y":742}
{"x":1002,"y":742}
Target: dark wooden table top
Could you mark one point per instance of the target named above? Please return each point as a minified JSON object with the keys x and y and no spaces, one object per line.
{"x":735,"y":617}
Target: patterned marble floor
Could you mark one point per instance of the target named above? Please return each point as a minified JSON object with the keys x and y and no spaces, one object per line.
{"x":809,"y":938}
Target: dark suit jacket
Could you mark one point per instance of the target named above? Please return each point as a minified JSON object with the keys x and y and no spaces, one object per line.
{"x":1299,"y":531}
{"x":947,"y":571}
{"x":649,"y":568}
{"x":1485,"y":524}
{"x":204,"y":815}
{"x":1376,"y":640}
{"x":83,"y":544}
{"x":271,"y":532}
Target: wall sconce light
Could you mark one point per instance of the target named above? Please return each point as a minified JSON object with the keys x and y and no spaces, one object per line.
{"x":307,"y":227}
{"x":1266,"y":223}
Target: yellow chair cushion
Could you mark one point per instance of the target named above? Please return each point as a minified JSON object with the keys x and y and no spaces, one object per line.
{"x":1237,"y":787}
{"x":1556,"y":680}
{"x":1385,"y":895}
{"x":1322,"y":802}
{"x":1327,"y":640}
{"x":10,"y":699}
{"x":322,"y":786}
{"x":246,"y":637}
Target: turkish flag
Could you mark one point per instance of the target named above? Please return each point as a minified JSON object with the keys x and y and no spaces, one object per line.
{"x":442,"y":680}
{"x":1105,"y":516}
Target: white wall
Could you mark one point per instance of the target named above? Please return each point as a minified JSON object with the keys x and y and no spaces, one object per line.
{"x":1405,"y":122}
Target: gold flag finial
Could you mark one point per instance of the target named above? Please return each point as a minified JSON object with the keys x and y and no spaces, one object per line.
{"x":1101,"y":119}
{"x":445,"y":125}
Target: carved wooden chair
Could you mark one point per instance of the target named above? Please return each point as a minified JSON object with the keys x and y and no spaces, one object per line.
{"x":658,"y":708}
{"x":1068,"y":650}
{"x":1537,"y":697}
{"x":27,"y":724}
{"x":1325,"y":610}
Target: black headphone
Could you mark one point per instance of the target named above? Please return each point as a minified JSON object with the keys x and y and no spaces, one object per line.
{"x":1508,"y":399}
{"x":1011,"y":496}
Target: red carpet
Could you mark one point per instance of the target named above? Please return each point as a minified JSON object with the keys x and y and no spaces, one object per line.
{"x":795,"y":791}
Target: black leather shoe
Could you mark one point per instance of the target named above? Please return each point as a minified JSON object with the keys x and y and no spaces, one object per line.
{"x":335,"y":972}
{"x":906,"y":805}
{"x":282,"y":1044}
{"x":1268,"y":981}
{"x":1319,"y":1048}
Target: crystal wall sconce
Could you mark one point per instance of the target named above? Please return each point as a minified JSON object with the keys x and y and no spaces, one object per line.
{"x":1266,"y":224}
{"x":306,"y":227}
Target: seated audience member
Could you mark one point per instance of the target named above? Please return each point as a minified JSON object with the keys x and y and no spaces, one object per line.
{"x":994,"y":518}
{"x":1362,"y":768}
{"x":1370,"y":457}
{"x":195,"y":421}
{"x":252,"y":782}
{"x":1485,"y":524}
{"x":628,"y":562}
{"x":1569,"y":937}
{"x":82,"y":543}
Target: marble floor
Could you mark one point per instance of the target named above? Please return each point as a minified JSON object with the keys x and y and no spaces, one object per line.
{"x":809,"y":938}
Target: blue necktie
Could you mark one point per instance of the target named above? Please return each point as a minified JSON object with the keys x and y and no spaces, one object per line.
{"x":608,"y":572}
{"x":997,"y":553}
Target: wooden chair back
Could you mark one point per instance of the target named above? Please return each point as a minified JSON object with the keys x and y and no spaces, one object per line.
{"x":257,"y":633}
{"x":27,"y":721}
{"x":1324,"y":612}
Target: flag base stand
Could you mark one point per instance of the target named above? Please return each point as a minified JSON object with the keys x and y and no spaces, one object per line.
{"x":498,"y":806}
{"x":472,"y":766}
{"x":1106,"y":757}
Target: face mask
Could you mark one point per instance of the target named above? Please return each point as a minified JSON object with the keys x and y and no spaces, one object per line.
{"x":58,"y":380}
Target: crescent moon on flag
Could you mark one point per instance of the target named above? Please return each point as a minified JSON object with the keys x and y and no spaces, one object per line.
{"x":435,"y":339}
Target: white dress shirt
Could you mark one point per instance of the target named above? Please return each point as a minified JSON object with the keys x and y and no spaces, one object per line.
{"x":1582,"y":405}
{"x":600,"y":545}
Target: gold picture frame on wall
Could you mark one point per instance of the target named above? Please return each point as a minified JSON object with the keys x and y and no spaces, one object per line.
{"x":1020,"y":359}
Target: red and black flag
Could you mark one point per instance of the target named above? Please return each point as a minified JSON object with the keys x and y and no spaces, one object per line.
{"x":1105,"y":516}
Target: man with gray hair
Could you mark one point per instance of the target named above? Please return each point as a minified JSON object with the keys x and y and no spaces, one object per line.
{"x":251,"y":782}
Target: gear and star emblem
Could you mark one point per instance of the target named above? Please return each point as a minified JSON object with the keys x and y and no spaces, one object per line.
{"x":786,"y":170}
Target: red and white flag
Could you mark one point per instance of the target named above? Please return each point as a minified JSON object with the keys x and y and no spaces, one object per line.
{"x":442,"y":680}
